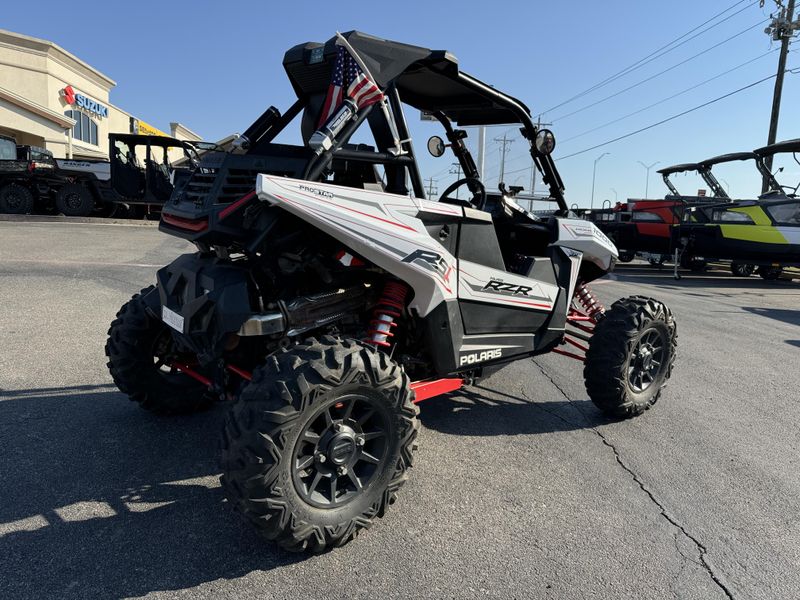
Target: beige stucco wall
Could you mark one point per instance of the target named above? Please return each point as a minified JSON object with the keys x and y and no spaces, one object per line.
{"x":37,"y":70}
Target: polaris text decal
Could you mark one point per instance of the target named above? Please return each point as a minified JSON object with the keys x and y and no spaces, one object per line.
{"x":471,"y":359}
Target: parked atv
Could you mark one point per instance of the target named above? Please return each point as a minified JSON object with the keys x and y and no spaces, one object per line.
{"x":327,"y":297}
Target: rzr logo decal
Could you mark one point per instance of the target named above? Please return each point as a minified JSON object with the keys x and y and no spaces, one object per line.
{"x":507,"y":288}
{"x":429,"y":260}
{"x":471,"y":359}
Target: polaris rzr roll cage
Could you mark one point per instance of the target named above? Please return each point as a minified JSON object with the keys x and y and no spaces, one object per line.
{"x":427,"y":80}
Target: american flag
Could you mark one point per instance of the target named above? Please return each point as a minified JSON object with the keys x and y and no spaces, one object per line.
{"x":348,"y":81}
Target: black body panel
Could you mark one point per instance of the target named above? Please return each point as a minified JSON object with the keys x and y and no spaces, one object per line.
{"x":212,"y":296}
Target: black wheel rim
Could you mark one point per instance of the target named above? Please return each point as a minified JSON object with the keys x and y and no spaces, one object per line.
{"x":341,"y":450}
{"x":647,"y":360}
{"x":14,"y":200}
{"x":73,"y":200}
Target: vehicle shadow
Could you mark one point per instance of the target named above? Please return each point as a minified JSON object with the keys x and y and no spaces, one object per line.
{"x":483,"y":411}
{"x":102,"y":500}
{"x":785,"y":315}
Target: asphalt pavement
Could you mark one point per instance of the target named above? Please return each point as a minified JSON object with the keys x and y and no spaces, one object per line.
{"x":520,"y":489}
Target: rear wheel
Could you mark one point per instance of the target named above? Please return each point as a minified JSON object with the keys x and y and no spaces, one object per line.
{"x":141,"y":352}
{"x":626,"y":256}
{"x":15,"y":199}
{"x":74,"y":200}
{"x":319,"y":442}
{"x":742,"y":269}
{"x":770,"y":273}
{"x":630,"y":356}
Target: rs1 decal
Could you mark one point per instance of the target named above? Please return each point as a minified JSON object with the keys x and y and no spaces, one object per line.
{"x":471,"y":359}
{"x":428,"y":259}
{"x":498,"y":286}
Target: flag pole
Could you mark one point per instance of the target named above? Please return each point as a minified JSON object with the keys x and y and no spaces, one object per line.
{"x":398,"y":149}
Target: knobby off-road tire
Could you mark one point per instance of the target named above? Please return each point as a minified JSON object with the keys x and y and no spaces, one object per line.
{"x":136,"y":343}
{"x":287,"y":417}
{"x":74,"y":200}
{"x":770,"y":273}
{"x":626,"y":256}
{"x":742,"y":269}
{"x":637,"y":335}
{"x":15,"y":199}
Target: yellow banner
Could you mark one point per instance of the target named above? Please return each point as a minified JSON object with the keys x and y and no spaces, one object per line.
{"x":143,"y":128}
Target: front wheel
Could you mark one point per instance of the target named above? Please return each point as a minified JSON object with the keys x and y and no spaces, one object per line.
{"x":15,"y":199}
{"x":319,"y":442}
{"x":742,"y":269}
{"x":626,"y":256}
{"x":630,"y":356}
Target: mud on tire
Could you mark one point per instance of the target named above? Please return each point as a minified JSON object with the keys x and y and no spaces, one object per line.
{"x":296,"y":409}
{"x":133,"y":339}
{"x":621,"y":374}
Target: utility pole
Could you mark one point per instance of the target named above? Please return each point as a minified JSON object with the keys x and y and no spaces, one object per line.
{"x":431,"y":190}
{"x":781,"y":29}
{"x":455,"y":169}
{"x":647,"y":184}
{"x":616,"y":195}
{"x":505,"y":141}
{"x":594,"y":172}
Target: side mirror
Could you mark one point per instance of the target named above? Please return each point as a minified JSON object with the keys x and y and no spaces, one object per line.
{"x":436,"y":146}
{"x":545,"y":142}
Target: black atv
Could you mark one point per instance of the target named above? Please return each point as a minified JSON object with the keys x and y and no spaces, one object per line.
{"x":327,"y":296}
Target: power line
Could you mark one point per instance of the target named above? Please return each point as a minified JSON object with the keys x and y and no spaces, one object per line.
{"x":652,"y":56}
{"x":668,"y":69}
{"x":672,"y":118}
{"x":668,"y":98}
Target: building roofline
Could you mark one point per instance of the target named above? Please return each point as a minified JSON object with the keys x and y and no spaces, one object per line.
{"x":51,"y":115}
{"x":52,"y":49}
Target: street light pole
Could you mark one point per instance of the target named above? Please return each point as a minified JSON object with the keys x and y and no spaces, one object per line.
{"x":594,"y":174}
{"x":616,"y":195}
{"x":647,"y":183}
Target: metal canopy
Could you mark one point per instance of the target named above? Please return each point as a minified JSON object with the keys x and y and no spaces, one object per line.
{"x":679,"y":168}
{"x":429,"y":80}
{"x":785,"y":146}
{"x":724,"y":158}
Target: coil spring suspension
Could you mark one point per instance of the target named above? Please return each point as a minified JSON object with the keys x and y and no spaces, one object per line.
{"x":389,"y":307}
{"x":586,"y":298}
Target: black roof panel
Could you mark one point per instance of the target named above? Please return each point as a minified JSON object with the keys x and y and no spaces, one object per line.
{"x":679,"y":168}
{"x":724,"y":158}
{"x":785,"y":146}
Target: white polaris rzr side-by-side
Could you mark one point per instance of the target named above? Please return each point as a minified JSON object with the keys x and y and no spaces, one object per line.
{"x":328,"y":296}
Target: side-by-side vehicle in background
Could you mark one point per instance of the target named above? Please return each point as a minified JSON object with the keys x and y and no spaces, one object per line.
{"x":328,"y":295}
{"x":753,"y":235}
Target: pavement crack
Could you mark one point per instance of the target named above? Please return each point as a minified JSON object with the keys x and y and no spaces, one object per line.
{"x":702,"y":551}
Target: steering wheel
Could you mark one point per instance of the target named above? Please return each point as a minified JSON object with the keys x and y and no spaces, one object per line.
{"x":478,"y":198}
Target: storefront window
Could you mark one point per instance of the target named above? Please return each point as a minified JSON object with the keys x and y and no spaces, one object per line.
{"x":85,"y":129}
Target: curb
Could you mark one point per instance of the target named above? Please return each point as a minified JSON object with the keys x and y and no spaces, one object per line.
{"x":76,"y":220}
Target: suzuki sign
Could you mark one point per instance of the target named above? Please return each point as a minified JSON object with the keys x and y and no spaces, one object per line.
{"x":80,"y":101}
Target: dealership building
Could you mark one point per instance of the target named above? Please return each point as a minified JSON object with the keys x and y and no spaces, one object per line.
{"x":51,"y":98}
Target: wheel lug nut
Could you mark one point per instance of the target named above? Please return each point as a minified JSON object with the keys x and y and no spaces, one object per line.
{"x":321,"y":457}
{"x":360,"y":440}
{"x":342,"y":470}
{"x":338,"y":427}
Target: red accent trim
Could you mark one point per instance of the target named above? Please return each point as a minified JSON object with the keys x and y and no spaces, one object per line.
{"x":436,"y":387}
{"x":192,"y":373}
{"x":569,"y":354}
{"x":580,"y":318}
{"x":240,"y":372}
{"x":181,"y":223}
{"x":236,"y":205}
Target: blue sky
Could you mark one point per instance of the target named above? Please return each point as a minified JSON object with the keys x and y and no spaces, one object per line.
{"x":216,"y":66}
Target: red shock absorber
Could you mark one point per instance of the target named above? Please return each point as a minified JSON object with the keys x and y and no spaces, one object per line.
{"x":388,"y":308}
{"x":589,"y":301}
